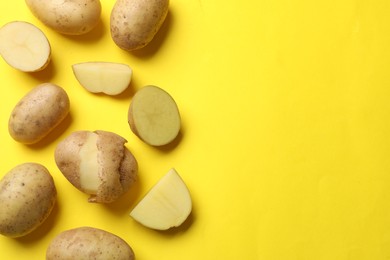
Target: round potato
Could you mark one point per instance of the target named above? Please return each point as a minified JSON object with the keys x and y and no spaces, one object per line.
{"x":134,"y":23}
{"x":97,"y":163}
{"x":27,"y":196}
{"x":38,"y":113}
{"x":88,"y":243}
{"x":72,"y":17}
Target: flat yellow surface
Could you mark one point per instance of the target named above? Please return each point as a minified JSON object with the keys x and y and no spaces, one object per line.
{"x":285,"y":142}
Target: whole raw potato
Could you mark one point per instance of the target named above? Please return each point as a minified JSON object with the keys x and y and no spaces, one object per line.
{"x":88,"y":243}
{"x":27,"y":196}
{"x":38,"y":113}
{"x":97,"y":163}
{"x":134,"y":23}
{"x":72,"y":17}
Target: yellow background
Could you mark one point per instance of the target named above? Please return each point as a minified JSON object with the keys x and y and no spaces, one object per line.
{"x":285,"y":141}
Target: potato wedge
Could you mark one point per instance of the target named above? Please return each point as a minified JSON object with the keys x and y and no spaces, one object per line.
{"x":103,"y":77}
{"x":168,"y":204}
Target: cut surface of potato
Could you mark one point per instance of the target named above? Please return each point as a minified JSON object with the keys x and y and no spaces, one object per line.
{"x":154,"y":116}
{"x":89,"y":168}
{"x":166,"y":205}
{"x":24,"y":47}
{"x":103,"y":77}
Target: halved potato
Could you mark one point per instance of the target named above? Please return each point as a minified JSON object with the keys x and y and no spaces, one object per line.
{"x":154,"y":116}
{"x":24,"y":46}
{"x":103,"y":77}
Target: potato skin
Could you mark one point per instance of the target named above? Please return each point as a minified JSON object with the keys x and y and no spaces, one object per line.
{"x":117,"y":166}
{"x":72,"y":17}
{"x":134,"y":23}
{"x":27,"y":196}
{"x":38,"y":113}
{"x":88,"y":243}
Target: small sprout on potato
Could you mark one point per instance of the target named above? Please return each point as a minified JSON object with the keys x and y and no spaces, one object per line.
{"x":27,"y":196}
{"x":134,"y":23}
{"x":24,"y":47}
{"x":103,"y":77}
{"x":166,"y":205}
{"x":97,"y":163}
{"x":38,"y":113}
{"x":154,"y":116}
{"x":88,"y":243}
{"x":67,"y":17}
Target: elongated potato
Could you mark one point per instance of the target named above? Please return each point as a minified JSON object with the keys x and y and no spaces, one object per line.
{"x":38,"y":113}
{"x":154,"y":116}
{"x":97,"y":163}
{"x":134,"y":23}
{"x":72,"y":17}
{"x":88,"y":243}
{"x":27,"y":196}
{"x":24,"y":46}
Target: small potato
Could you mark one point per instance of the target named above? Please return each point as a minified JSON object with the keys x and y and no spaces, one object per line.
{"x":24,"y":46}
{"x":71,"y":17}
{"x":97,"y":163}
{"x":27,"y":196}
{"x":38,"y":113}
{"x":134,"y":23}
{"x":88,"y":243}
{"x":154,"y":116}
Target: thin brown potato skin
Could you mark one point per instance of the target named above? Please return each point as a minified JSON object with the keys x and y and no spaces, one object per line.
{"x":117,"y":166}
{"x":74,"y":17}
{"x":27,"y":196}
{"x":38,"y":113}
{"x":88,"y":243}
{"x":134,"y":23}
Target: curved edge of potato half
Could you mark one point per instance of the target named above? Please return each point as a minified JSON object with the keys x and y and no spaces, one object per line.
{"x":110,"y":78}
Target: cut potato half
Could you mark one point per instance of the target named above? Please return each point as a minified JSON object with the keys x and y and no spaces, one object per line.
{"x":24,"y":46}
{"x":166,"y":205}
{"x":154,"y":116}
{"x":103,"y":77}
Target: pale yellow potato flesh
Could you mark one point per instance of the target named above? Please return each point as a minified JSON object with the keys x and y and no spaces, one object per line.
{"x":24,"y":46}
{"x":89,"y":167}
{"x":103,"y":77}
{"x":168,"y":204}
{"x":154,"y":116}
